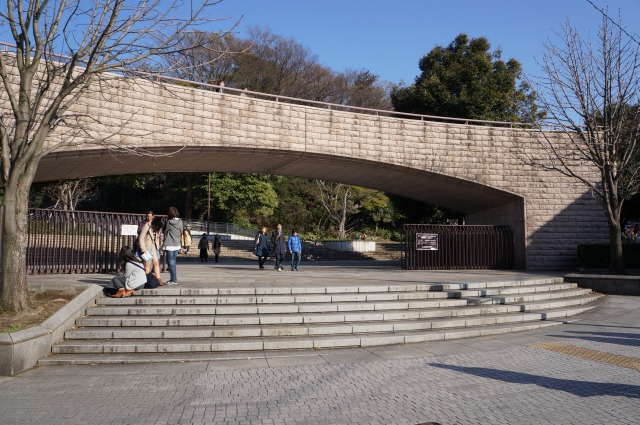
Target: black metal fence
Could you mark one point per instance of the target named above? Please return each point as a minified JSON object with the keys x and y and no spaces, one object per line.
{"x":76,"y":241}
{"x":452,"y":247}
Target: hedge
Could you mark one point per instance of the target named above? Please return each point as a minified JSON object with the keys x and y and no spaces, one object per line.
{"x":597,"y":256}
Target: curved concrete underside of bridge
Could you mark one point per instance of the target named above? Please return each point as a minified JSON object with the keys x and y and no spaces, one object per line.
{"x":477,"y":170}
{"x":465,"y":196}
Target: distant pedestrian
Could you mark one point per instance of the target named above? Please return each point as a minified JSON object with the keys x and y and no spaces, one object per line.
{"x":172,"y":230}
{"x":295,"y":248}
{"x":217,"y":247}
{"x":203,"y":246}
{"x":185,"y":239}
{"x":278,"y":246}
{"x":262,"y":247}
{"x":221,"y":86}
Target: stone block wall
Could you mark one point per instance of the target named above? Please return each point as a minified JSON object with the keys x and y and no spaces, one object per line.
{"x":550,"y":213}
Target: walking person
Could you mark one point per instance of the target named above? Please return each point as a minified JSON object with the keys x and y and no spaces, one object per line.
{"x":173,"y":228}
{"x":148,"y":219}
{"x":262,"y":247}
{"x":217,"y":247}
{"x":278,"y":246}
{"x":163,"y":253}
{"x":295,"y":248}
{"x":149,"y":246}
{"x":203,"y":246}
{"x":185,"y":239}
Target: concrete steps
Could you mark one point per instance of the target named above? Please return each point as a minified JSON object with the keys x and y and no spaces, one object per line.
{"x":223,"y":320}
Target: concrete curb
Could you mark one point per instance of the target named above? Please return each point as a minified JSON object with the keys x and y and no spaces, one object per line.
{"x":607,"y":284}
{"x":21,"y":350}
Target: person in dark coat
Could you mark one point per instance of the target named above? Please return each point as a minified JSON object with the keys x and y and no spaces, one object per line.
{"x":217,"y":247}
{"x":262,"y":247}
{"x":278,"y":246}
{"x":203,"y":246}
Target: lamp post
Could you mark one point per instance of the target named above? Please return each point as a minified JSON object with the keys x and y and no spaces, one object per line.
{"x":208,"y":202}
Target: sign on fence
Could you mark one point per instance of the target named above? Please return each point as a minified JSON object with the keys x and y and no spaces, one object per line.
{"x":427,"y":241}
{"x":129,"y":230}
{"x":458,"y":247}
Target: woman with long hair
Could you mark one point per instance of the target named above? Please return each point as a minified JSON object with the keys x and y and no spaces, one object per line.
{"x":262,"y":247}
{"x":133,"y":277}
{"x":150,"y":242}
{"x":217,"y":247}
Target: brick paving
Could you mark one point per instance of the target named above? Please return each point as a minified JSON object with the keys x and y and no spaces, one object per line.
{"x":503,"y":379}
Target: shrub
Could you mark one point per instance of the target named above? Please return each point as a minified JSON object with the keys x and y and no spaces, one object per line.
{"x":597,"y":256}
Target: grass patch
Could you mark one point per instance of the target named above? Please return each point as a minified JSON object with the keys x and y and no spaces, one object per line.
{"x":43,"y":305}
{"x":13,"y":327}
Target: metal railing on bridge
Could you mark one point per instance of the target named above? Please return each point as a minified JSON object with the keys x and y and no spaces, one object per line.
{"x":7,"y":47}
{"x":453,"y":247}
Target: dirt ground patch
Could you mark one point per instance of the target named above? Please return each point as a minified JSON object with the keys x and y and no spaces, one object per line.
{"x":43,"y":305}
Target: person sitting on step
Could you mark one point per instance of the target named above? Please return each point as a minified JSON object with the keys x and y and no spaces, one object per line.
{"x":133,"y":278}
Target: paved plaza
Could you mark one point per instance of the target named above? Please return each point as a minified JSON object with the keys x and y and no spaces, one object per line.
{"x":583,"y":372}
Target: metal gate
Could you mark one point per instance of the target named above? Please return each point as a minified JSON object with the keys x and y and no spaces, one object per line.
{"x":453,"y":247}
{"x":76,"y":241}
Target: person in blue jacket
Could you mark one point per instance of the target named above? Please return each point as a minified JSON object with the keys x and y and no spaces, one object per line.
{"x":295,"y":248}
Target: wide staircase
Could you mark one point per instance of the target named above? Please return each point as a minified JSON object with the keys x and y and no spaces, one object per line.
{"x":188,"y":324}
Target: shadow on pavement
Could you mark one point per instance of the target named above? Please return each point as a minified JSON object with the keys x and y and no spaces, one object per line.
{"x":626,"y":339}
{"x":578,"y":388}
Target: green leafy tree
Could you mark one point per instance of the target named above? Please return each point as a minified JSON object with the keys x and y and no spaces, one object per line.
{"x":466,"y":80}
{"x":243,"y":198}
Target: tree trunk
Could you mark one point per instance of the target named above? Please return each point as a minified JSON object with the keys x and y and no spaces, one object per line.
{"x":616,"y":261}
{"x":343,"y":219}
{"x":14,"y":242}
{"x":188,"y":203}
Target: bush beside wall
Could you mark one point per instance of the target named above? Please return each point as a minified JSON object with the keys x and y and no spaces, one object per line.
{"x":597,"y":256}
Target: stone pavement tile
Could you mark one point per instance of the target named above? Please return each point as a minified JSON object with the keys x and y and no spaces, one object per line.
{"x":173,"y":367}
{"x":487,"y":344}
{"x":525,"y":338}
{"x":352,"y":355}
{"x":443,"y":347}
{"x":87,"y":370}
{"x":295,"y":361}
{"x":237,"y":364}
{"x":403,"y":351}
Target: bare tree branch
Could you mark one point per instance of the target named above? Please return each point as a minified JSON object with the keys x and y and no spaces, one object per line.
{"x":591,"y":92}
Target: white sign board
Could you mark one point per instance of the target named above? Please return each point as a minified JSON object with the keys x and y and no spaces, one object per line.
{"x":129,"y":230}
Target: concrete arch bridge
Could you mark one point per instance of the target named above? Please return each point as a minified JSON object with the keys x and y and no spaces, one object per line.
{"x":475,"y":169}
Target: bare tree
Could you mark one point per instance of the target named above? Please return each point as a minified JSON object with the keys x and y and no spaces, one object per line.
{"x":337,"y":200}
{"x":68,"y":193}
{"x":591,"y":94}
{"x":62,"y":47}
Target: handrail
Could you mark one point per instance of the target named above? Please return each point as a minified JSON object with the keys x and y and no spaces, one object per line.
{"x":214,"y":227}
{"x":325,"y":105}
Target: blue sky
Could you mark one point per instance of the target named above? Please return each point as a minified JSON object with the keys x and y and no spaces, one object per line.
{"x":388,"y":38}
